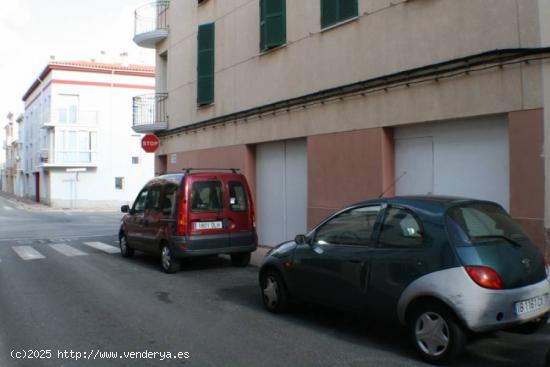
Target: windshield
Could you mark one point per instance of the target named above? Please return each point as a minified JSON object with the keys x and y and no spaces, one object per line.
{"x":480,"y":223}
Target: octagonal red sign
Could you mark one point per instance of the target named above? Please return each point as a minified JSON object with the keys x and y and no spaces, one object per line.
{"x":150,"y":143}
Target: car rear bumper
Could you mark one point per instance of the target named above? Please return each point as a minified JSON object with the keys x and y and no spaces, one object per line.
{"x":479,"y":308}
{"x":187,"y":247}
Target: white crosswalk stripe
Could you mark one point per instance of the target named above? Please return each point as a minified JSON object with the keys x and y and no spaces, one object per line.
{"x":8,"y":208}
{"x":67,"y":250}
{"x":27,"y":253}
{"x":103,"y":247}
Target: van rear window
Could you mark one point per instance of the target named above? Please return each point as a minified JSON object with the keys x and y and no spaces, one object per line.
{"x":206,"y":196}
{"x":237,"y":196}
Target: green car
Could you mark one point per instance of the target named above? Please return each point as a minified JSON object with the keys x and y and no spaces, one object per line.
{"x":444,"y":267}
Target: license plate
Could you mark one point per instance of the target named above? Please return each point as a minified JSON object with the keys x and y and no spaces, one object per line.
{"x":208,"y":225}
{"x":530,"y":305}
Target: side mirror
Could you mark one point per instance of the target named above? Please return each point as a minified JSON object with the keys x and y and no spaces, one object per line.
{"x":125,"y":208}
{"x":300,"y":239}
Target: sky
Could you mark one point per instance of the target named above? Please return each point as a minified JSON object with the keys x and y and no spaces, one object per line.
{"x":33,"y":30}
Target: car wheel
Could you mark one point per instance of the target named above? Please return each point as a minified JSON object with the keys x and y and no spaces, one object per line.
{"x":168,"y":263}
{"x":274,"y":293}
{"x":436,"y":334}
{"x":240,"y":259}
{"x":125,"y":249}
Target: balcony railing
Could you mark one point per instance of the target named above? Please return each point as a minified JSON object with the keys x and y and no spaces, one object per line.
{"x":150,"y":113}
{"x":151,"y":23}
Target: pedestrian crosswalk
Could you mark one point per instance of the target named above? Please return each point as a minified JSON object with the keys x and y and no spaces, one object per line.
{"x":28,"y":252}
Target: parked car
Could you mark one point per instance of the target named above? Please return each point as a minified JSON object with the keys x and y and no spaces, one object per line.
{"x":444,"y":267}
{"x":192,"y":213}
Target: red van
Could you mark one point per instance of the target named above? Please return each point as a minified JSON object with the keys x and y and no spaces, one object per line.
{"x":197,"y":212}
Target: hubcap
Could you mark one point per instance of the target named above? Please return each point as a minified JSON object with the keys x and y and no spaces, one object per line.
{"x":432,"y":334}
{"x":166,"y":258}
{"x":271,"y":292}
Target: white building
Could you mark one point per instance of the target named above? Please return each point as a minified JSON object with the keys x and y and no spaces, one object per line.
{"x":77,"y":147}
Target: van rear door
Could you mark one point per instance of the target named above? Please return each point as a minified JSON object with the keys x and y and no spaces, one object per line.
{"x":239,"y":217}
{"x":207,"y":227}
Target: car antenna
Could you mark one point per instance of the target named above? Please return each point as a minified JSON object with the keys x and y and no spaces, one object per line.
{"x":393,"y":184}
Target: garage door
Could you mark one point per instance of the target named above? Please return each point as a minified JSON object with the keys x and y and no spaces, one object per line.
{"x":281,"y":190}
{"x":459,"y":158}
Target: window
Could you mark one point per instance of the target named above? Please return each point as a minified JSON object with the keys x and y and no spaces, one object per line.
{"x":400,"y":229}
{"x":169,"y":199}
{"x":480,"y":223}
{"x":237,"y":196}
{"x":153,"y":199}
{"x":119,"y":183}
{"x":139,"y":204}
{"x":75,"y":146}
{"x":272,"y":23}
{"x":206,"y":196}
{"x":335,"y":11}
{"x":205,"y":64}
{"x":353,"y":227}
{"x":135,"y":160}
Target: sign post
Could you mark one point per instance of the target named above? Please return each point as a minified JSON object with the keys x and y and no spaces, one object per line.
{"x":150,"y":143}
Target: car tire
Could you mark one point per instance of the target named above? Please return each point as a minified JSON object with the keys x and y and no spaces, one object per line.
{"x":167,"y":261}
{"x":274,"y":292}
{"x":240,"y":259}
{"x":436,"y":333}
{"x":125,"y":249}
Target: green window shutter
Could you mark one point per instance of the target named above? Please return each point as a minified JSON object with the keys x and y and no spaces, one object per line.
{"x":334,"y":11}
{"x":347,"y":9}
{"x":329,"y":12}
{"x":205,"y":64}
{"x":272,"y":23}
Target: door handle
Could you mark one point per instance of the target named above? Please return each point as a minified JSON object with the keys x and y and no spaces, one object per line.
{"x":355,"y":260}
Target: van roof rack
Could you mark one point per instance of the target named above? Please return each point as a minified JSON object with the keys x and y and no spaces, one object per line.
{"x":188,"y":170}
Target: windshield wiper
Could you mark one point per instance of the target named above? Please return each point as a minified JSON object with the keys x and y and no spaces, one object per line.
{"x":498,"y":236}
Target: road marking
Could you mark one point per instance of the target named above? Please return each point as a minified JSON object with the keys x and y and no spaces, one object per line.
{"x":67,"y":250}
{"x":8,"y":208}
{"x":103,"y":247}
{"x":28,"y":253}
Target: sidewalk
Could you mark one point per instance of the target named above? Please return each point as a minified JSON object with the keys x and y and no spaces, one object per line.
{"x":23,"y":202}
{"x":30,"y":204}
{"x":258,"y":255}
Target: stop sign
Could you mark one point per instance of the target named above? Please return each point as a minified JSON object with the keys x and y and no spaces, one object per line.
{"x":150,"y":143}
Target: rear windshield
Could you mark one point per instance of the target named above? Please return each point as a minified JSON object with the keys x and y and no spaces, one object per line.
{"x":479,"y":223}
{"x":206,"y":196}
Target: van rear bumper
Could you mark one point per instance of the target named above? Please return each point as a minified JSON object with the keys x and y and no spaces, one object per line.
{"x":185,"y":246}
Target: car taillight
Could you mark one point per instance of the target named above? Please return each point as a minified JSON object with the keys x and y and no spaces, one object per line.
{"x":181,"y":224}
{"x":484,"y":276}
{"x":253,"y":219}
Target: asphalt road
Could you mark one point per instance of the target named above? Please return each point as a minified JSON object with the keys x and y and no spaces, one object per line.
{"x":62,"y":307}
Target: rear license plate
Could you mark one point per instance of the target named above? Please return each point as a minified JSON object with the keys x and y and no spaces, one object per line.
{"x":208,"y":225}
{"x":530,"y":305}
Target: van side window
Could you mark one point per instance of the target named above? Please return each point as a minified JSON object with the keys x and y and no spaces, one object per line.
{"x":237,"y":196}
{"x":206,"y":196}
{"x":153,"y":199}
{"x":168,"y":199}
{"x":139,"y":204}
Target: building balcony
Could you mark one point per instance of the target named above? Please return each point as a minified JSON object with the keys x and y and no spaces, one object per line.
{"x":63,"y":117}
{"x":149,"y":113}
{"x":151,"y":23}
{"x":67,"y":159}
